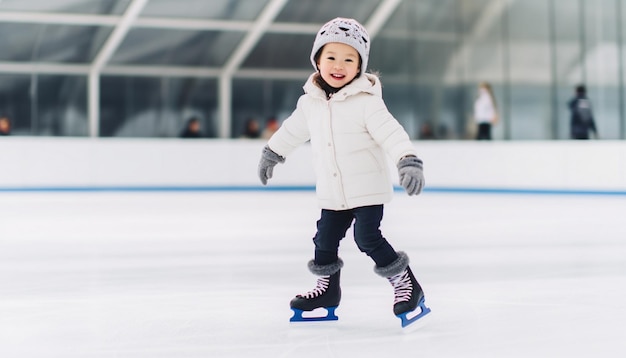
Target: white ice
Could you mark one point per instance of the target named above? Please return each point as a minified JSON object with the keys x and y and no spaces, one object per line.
{"x":210,"y":274}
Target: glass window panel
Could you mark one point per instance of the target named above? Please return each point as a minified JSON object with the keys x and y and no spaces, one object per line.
{"x":69,"y":43}
{"x":243,"y":10}
{"x":262,"y":99}
{"x":529,"y":64}
{"x":415,"y":59}
{"x":602,"y":65}
{"x":156,"y":107}
{"x":15,"y":102}
{"x":472,"y":14}
{"x":45,"y":104}
{"x":404,"y":101}
{"x":480,"y":58}
{"x":322,"y":11}
{"x":19,"y":45}
{"x":622,"y":45}
{"x":569,"y":71}
{"x":394,"y":56}
{"x":424,"y":15}
{"x":51,"y":43}
{"x":282,"y":51}
{"x":431,"y":54}
{"x":420,"y":87}
{"x":112,"y":7}
{"x":176,"y":47}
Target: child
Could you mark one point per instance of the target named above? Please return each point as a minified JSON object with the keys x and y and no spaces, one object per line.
{"x":343,"y":114}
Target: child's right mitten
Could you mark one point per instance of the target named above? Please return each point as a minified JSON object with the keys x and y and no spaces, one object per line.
{"x":269,"y":159}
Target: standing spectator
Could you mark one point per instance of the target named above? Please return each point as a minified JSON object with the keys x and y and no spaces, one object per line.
{"x":5,"y":126}
{"x":485,"y":111}
{"x":582,"y":121}
{"x":192,"y":129}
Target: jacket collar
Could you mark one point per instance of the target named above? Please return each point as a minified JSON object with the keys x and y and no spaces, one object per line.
{"x":366,"y":83}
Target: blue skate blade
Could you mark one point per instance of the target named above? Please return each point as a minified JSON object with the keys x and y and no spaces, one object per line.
{"x":297,"y":316}
{"x":407,"y":321}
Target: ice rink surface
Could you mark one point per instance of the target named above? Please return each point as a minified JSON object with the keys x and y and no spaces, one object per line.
{"x":210,"y":274}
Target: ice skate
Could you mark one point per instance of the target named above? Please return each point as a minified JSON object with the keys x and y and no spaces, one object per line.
{"x":408,"y":294}
{"x":326,"y":294}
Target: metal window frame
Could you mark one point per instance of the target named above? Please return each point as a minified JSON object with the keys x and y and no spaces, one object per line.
{"x":122,"y":24}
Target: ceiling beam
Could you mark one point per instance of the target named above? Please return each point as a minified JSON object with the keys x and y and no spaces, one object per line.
{"x":380,"y":16}
{"x":490,"y":16}
{"x":272,"y":74}
{"x":44,"y":68}
{"x":152,"y":22}
{"x":118,"y":34}
{"x":102,"y":57}
{"x":263,"y":21}
{"x":58,"y":18}
{"x":293,"y":28}
{"x":161,"y":71}
{"x":193,"y":24}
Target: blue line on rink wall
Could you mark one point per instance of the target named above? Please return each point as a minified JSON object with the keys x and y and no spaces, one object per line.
{"x":156,"y":188}
{"x":234,"y":188}
{"x":523,"y":191}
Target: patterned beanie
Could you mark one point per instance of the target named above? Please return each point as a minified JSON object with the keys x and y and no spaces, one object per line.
{"x":345,"y":31}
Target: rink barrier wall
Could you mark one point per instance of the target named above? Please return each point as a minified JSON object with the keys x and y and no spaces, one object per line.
{"x":311,"y":188}
{"x":52,"y":164}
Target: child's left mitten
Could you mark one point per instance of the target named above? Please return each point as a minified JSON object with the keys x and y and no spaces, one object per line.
{"x":410,"y":171}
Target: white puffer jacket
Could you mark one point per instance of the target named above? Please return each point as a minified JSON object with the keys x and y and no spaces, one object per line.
{"x":350,"y":136}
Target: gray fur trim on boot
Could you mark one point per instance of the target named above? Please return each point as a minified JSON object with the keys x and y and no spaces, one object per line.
{"x":325,"y":270}
{"x":394,"y":268}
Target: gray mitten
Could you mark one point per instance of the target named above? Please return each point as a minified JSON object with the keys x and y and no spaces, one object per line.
{"x":266,"y":166}
{"x":411,"y":174}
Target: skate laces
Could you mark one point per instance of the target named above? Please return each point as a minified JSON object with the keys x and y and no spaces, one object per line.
{"x":402,"y":286}
{"x":322,"y":284}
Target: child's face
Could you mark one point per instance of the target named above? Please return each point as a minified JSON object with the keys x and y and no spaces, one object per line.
{"x":338,"y":64}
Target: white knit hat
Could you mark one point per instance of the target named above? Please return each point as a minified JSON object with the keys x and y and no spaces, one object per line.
{"x":345,"y":31}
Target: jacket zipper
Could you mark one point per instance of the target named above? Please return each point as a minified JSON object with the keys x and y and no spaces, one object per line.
{"x":344,"y":204}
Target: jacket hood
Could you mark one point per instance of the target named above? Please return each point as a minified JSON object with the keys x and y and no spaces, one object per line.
{"x":366,"y":83}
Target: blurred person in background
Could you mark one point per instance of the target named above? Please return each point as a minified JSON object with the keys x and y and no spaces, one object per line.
{"x":485,"y":111}
{"x":582,"y":121}
{"x":252,"y":129}
{"x":427,"y":131}
{"x":271,"y":127}
{"x":5,"y":126}
{"x":192,"y":129}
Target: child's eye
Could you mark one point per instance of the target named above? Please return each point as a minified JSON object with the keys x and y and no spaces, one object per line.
{"x":349,"y":60}
{"x":331,"y":58}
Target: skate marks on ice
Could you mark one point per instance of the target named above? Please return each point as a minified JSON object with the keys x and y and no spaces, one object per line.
{"x":180,"y":275}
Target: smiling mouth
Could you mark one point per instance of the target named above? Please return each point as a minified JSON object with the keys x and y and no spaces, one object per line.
{"x":337,"y":76}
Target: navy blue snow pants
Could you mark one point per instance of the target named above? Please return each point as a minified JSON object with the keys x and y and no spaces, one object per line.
{"x":332,"y":227}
